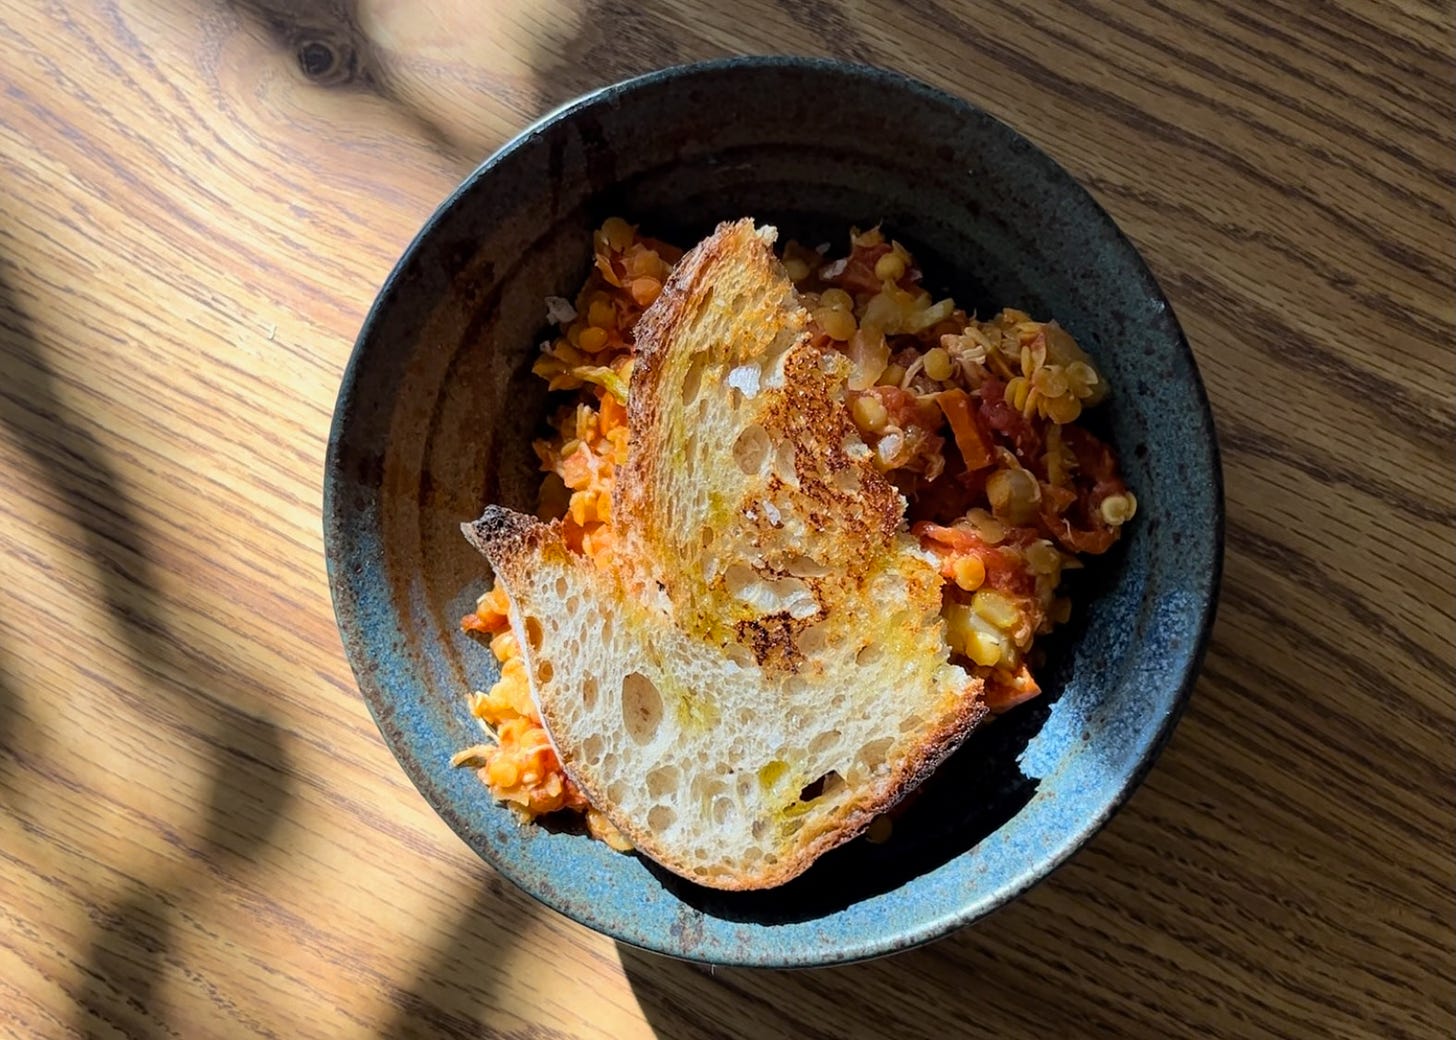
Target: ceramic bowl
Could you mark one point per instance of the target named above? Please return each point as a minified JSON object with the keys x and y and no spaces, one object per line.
{"x":438,"y":409}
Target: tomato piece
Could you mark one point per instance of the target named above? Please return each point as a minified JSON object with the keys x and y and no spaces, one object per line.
{"x":971,"y":440}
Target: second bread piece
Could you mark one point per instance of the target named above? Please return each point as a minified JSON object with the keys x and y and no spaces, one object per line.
{"x":764,"y":668}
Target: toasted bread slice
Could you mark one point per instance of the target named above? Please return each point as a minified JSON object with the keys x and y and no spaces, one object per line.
{"x":763,"y":668}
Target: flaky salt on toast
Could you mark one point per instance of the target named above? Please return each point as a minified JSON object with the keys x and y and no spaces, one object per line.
{"x":761,"y":668}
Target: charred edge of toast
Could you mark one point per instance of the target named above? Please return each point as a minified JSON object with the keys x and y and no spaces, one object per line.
{"x":656,"y":325}
{"x":687,"y":286}
{"x":506,"y":538}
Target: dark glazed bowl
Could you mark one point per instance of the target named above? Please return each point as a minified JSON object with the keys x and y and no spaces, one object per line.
{"x":438,"y":409}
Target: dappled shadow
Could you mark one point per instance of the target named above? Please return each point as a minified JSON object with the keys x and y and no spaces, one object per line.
{"x":452,"y":992}
{"x":15,"y":735}
{"x":332,"y":50}
{"x":123,"y":969}
{"x":614,"y":40}
{"x":165,"y":683}
{"x":938,"y":990}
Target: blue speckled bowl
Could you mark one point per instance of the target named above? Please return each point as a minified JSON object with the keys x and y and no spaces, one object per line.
{"x":438,"y":408}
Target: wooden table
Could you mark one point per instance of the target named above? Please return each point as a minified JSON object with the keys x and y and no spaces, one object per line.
{"x":202,"y":833}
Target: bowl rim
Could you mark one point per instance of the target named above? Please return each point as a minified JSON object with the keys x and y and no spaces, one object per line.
{"x":346,"y":596}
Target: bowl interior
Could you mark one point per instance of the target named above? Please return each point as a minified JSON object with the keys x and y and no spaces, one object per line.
{"x":438,"y":410}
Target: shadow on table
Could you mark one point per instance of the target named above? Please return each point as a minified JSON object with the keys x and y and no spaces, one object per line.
{"x":616,"y":39}
{"x":613,"y":40}
{"x":452,"y":995}
{"x":939,"y":990}
{"x":332,"y":49}
{"x":158,"y":679}
{"x":16,"y":735}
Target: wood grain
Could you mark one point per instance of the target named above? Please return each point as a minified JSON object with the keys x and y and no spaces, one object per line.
{"x":202,"y":833}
